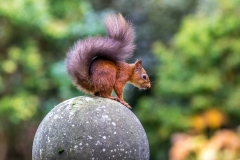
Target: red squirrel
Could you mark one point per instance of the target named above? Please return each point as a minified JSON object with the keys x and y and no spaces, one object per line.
{"x":97,"y":64}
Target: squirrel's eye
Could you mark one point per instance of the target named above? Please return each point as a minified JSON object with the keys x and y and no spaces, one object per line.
{"x":144,"y":76}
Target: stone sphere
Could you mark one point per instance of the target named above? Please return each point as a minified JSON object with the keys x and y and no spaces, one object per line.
{"x":90,"y":128}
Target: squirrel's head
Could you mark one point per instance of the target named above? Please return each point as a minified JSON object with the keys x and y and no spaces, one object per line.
{"x":140,"y":78}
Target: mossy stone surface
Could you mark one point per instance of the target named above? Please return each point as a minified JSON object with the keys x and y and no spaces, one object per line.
{"x":90,"y":128}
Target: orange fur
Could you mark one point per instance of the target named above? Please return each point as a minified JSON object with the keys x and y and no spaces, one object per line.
{"x":106,"y":76}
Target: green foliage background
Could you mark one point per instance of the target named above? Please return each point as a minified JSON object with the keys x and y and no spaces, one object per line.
{"x":199,"y":71}
{"x":195,"y":65}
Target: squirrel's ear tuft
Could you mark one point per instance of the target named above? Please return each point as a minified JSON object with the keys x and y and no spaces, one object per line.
{"x":138,"y":64}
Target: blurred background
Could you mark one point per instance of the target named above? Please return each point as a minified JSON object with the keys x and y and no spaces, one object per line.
{"x":190,"y":49}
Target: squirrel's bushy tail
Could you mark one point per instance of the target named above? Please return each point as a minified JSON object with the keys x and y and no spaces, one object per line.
{"x":117,"y":46}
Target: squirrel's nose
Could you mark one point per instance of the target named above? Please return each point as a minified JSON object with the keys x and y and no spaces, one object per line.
{"x":149,"y":86}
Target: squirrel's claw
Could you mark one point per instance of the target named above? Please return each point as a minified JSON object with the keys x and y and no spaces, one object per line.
{"x":126,"y":104}
{"x":122,"y":102}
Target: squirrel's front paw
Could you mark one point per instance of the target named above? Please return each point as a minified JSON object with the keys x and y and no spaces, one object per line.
{"x":127,"y":105}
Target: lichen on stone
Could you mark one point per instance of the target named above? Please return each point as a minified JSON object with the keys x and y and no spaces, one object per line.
{"x":60,"y":150}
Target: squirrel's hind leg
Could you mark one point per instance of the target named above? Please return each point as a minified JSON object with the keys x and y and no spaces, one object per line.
{"x":103,"y":77}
